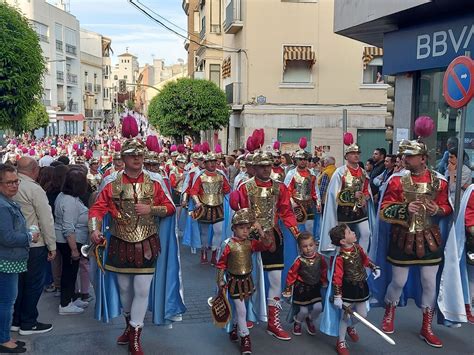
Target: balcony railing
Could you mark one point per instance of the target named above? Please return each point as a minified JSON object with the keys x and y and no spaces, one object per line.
{"x":97,"y":88}
{"x":59,"y":45}
{"x":72,"y":106}
{"x":88,"y":87}
{"x":60,"y":76}
{"x":89,"y":113}
{"x":233,"y":19}
{"x":71,"y":79}
{"x":202,"y":34}
{"x":70,"y":49}
{"x":232,"y":93}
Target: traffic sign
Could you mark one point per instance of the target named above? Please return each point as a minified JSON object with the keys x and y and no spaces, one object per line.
{"x":458,"y":82}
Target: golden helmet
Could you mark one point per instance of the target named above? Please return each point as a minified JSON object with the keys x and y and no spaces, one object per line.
{"x":242,"y":216}
{"x":132,"y":146}
{"x":262,"y":158}
{"x":413,"y":147}
{"x":352,"y":148}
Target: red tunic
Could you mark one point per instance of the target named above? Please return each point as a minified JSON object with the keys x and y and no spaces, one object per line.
{"x":394,"y":192}
{"x":293,"y":274}
{"x":358,"y":172}
{"x":339,"y":265}
{"x":105,"y":204}
{"x":196,"y":189}
{"x":283,"y":208}
{"x":304,"y":173}
{"x":278,"y":170}
{"x":470,"y":211}
{"x":257,"y":245}
{"x":173,"y":178}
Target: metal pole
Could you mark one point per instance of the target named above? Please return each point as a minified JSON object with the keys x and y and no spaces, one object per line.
{"x":457,"y":199}
{"x":344,"y":130}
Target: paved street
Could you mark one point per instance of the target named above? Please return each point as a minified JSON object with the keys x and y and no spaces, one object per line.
{"x":197,"y":335}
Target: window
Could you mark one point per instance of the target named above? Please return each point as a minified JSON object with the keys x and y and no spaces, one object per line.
{"x":41,"y":30}
{"x":58,"y":31}
{"x":70,"y":35}
{"x":215,"y":73}
{"x":373,"y":71}
{"x":196,"y":21}
{"x":125,"y":77}
{"x":115,"y":77}
{"x":85,"y":73}
{"x":297,"y":71}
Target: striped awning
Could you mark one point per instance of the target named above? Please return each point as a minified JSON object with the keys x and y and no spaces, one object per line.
{"x":226,"y":68}
{"x":298,"y":53}
{"x":370,"y":53}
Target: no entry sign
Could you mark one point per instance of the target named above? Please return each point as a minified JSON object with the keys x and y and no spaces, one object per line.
{"x":458,"y":82}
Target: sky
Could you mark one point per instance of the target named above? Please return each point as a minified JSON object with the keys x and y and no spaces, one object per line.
{"x":128,"y":27}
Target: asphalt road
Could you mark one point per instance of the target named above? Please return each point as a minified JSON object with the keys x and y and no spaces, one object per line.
{"x":196,"y":334}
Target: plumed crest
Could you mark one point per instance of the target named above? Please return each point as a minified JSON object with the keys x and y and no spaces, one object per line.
{"x":348,"y":138}
{"x":303,"y":143}
{"x":250,"y":145}
{"x":197,"y":148}
{"x":234,"y":200}
{"x":173,"y":148}
{"x":181,"y":148}
{"x":79,"y":152}
{"x":118,"y":146}
{"x":75,"y":146}
{"x":32,"y":152}
{"x":205,"y":147}
{"x":33,"y":143}
{"x":89,"y":154}
{"x":152,"y":143}
{"x":276,"y":145}
{"x":218,"y":148}
{"x":53,"y":152}
{"x":24,"y":150}
{"x":129,"y":127}
{"x":259,"y":138}
{"x":424,"y":126}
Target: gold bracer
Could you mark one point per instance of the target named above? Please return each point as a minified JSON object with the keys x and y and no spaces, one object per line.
{"x":95,"y":224}
{"x":302,"y":187}
{"x":220,"y":277}
{"x":263,"y":201}
{"x":354,"y":271}
{"x":423,"y":192}
{"x":310,"y":270}
{"x":212,"y":190}
{"x":239,"y":261}
{"x":159,"y":211}
{"x":128,"y":225}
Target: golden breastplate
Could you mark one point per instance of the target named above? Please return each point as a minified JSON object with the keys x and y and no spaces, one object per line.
{"x":351,"y":184}
{"x":179,"y":186}
{"x":302,"y":187}
{"x":128,"y":225}
{"x":278,"y":176}
{"x":423,"y":192}
{"x":354,"y":271}
{"x":239,"y":261}
{"x":310,"y":270}
{"x":263,"y":202}
{"x":94,"y":180}
{"x":212,"y":192}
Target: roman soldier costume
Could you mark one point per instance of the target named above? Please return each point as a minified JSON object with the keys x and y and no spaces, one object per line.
{"x":177,"y":180}
{"x":94,"y":178}
{"x":278,"y":173}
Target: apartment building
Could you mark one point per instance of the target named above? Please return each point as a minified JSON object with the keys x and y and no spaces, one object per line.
{"x":58,"y":32}
{"x":126,"y":69}
{"x":95,"y":79}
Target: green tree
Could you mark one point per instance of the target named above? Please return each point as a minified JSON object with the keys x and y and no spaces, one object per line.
{"x":21,"y":68}
{"x":187,"y":107}
{"x":36,"y":118}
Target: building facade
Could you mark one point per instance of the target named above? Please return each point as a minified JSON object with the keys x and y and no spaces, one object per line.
{"x":126,"y":69}
{"x":291,"y":75}
{"x":58,"y":32}
{"x":419,"y":39}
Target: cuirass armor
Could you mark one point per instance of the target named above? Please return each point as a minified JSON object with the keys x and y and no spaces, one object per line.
{"x":179,"y":187}
{"x":310,"y":270}
{"x":212,"y":192}
{"x":128,"y":225}
{"x":94,"y":180}
{"x":263,"y":202}
{"x":424,"y":192}
{"x":239,"y":261}
{"x":354,"y":271}
{"x":278,"y":176}
{"x":302,"y":187}
{"x":351,"y":184}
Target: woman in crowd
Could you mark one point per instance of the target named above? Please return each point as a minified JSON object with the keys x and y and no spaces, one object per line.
{"x":14,"y":245}
{"x":287,"y":163}
{"x":466,"y":175}
{"x":71,"y":217}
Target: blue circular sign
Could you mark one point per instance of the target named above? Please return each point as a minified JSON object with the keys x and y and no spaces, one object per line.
{"x":458,"y":83}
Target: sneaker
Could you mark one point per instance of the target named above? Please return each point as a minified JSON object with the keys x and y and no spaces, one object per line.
{"x":70,"y":309}
{"x":80,"y":303}
{"x":87,"y":298}
{"x":14,"y":328}
{"x":39,"y":328}
{"x":50,"y":288}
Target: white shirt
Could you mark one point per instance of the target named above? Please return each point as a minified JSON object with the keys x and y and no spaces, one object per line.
{"x":46,"y":161}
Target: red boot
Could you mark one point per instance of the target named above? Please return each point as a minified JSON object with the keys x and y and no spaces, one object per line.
{"x":245,"y":345}
{"x":341,"y":347}
{"x":470,"y":316}
{"x":124,"y":338}
{"x":233,"y":334}
{"x":274,"y":327}
{"x":426,"y":332}
{"x":214,"y":257}
{"x":204,"y":256}
{"x":353,"y":334}
{"x":134,"y":344}
{"x":388,"y":318}
{"x":249,"y":324}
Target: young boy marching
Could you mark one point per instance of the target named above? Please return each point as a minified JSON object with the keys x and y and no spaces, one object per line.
{"x":306,"y":276}
{"x":350,"y":281}
{"x":234,"y":271}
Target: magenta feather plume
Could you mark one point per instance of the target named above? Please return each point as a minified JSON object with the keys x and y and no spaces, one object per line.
{"x":89,"y":154}
{"x":181,"y":148}
{"x":205,"y":147}
{"x":152,"y":143}
{"x":75,"y":146}
{"x":424,"y":126}
{"x":129,"y":127}
{"x":250,"y":145}
{"x":197,"y":148}
{"x":79,"y":152}
{"x":24,"y":150}
{"x":276,"y":145}
{"x":32,"y":152}
{"x":303,"y":143}
{"x":118,"y":147}
{"x":218,"y":148}
{"x":53,"y":152}
{"x":348,"y":138}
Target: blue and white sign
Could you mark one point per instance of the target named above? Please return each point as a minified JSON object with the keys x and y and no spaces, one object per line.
{"x":428,"y":46}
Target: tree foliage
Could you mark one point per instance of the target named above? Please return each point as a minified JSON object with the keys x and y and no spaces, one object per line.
{"x":21,"y":68}
{"x":36,"y":118}
{"x":187,"y":107}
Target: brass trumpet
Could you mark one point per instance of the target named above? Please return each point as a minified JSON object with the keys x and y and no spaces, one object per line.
{"x":87,"y":249}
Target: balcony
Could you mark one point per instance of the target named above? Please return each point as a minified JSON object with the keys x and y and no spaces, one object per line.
{"x":97,"y":88}
{"x":70,"y":49}
{"x":232,"y":93}
{"x":202,"y":34}
{"x":59,"y":46}
{"x":60,"y":76}
{"x":72,"y":106}
{"x":233,"y":17}
{"x":88,"y":87}
{"x":71,"y":79}
{"x":88,"y":113}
